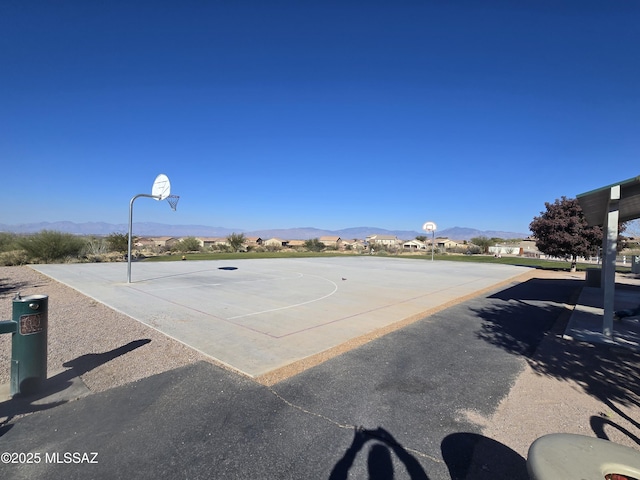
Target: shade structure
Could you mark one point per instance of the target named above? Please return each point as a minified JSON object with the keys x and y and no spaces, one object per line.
{"x":607,"y":207}
{"x":594,"y":204}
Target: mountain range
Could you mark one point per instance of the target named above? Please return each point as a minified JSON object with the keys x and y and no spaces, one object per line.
{"x":150,"y":229}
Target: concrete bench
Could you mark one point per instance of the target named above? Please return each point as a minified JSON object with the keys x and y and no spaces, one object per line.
{"x":577,"y":457}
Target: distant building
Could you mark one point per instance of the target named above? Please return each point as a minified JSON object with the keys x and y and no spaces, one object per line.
{"x":526,"y":247}
{"x":166,"y":242}
{"x":446,"y":243}
{"x":209,"y":242}
{"x":331,"y":242}
{"x":253,"y":242}
{"x":386,"y":240}
{"x":354,"y":244}
{"x":296,"y":243}
{"x":414,"y":245}
{"x":275,"y":242}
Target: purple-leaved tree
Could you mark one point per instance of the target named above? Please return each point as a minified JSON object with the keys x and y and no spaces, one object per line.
{"x":562,"y":231}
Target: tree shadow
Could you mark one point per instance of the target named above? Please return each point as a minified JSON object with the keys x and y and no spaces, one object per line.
{"x":55,"y":385}
{"x":379,"y":460}
{"x":470,"y":456}
{"x":610,"y":374}
{"x":520,"y":317}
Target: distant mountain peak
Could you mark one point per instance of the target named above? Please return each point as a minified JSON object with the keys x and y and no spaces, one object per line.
{"x":151,"y":229}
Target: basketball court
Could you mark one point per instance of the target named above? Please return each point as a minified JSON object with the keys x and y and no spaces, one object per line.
{"x":258,"y":316}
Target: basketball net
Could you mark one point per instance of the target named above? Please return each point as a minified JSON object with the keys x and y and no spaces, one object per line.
{"x":173,"y":201}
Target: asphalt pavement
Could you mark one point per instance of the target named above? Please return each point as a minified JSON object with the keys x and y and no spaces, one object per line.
{"x":401,"y":406}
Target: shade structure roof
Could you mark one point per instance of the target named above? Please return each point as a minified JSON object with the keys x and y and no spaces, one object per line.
{"x":595,"y":203}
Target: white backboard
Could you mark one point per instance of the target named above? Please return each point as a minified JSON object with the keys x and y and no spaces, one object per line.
{"x":429,"y":227}
{"x":161,"y":187}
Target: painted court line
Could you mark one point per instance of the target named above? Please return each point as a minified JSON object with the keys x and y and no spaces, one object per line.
{"x":335,"y":289}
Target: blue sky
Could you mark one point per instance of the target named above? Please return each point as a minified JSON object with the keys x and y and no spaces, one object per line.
{"x":330,"y":114}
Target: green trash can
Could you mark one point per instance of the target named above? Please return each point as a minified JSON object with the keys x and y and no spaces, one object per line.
{"x":28,"y":343}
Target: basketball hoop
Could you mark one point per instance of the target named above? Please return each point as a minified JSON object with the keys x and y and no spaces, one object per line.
{"x":173,"y":201}
{"x":160,"y":190}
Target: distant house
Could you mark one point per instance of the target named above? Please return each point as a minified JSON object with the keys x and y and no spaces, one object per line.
{"x":275,"y":242}
{"x":166,"y":242}
{"x":414,"y":245}
{"x":144,"y":243}
{"x":446,"y":243}
{"x":526,"y":247}
{"x":354,"y":244}
{"x":208,"y":242}
{"x":252,"y":241}
{"x":296,"y":243}
{"x":387,"y":240}
{"x":504,"y":249}
{"x":331,"y":242}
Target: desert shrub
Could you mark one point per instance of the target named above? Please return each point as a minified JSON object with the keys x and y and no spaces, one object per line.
{"x":95,"y":246}
{"x":104,"y":257}
{"x":118,"y":242}
{"x":314,"y":245}
{"x":8,"y":242}
{"x":221,"y":247}
{"x":48,"y":246}
{"x":13,"y":258}
{"x":188,"y":244}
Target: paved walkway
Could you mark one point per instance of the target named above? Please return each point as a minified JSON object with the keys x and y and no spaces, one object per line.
{"x":586,"y":322}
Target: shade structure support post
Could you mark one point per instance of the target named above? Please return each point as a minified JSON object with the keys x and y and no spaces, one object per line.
{"x":609,"y":247}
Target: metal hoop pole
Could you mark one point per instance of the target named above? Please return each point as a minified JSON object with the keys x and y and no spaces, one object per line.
{"x":130,"y":230}
{"x":433,"y":243}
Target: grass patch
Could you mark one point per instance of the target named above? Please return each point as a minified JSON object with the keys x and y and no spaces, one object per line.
{"x":518,"y":261}
{"x":521,"y":261}
{"x":239,"y":255}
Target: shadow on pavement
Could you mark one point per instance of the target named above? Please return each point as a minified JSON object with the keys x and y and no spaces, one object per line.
{"x":52,"y":392}
{"x":523,"y":314}
{"x":470,"y":456}
{"x":379,"y":460}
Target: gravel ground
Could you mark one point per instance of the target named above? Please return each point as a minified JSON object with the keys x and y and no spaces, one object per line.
{"x":595,"y":395}
{"x":79,"y":326}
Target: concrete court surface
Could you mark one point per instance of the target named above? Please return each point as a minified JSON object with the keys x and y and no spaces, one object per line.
{"x":259,"y":315}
